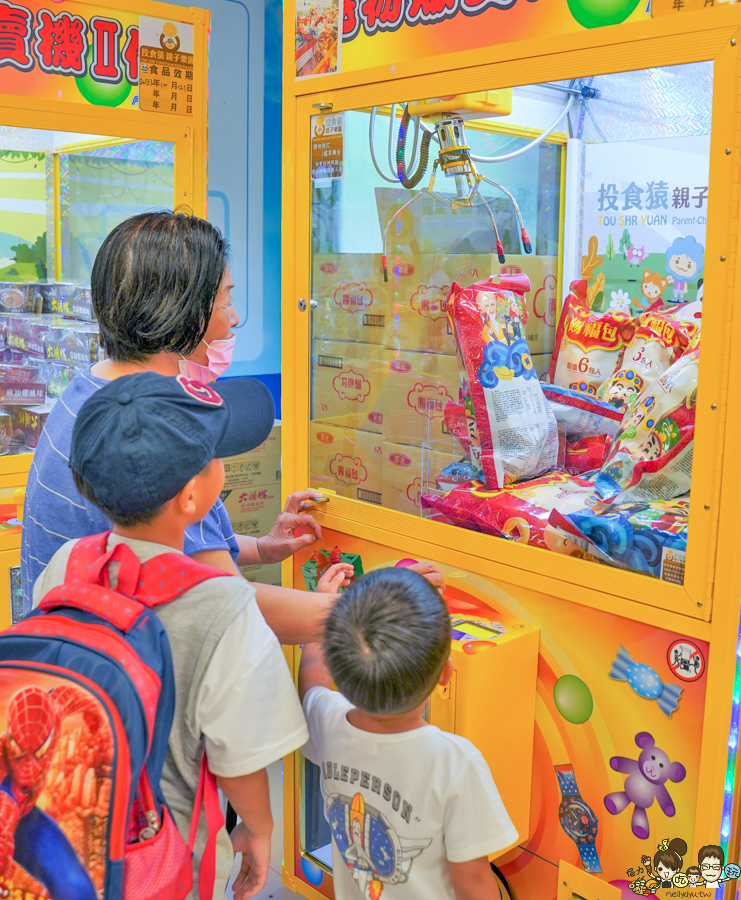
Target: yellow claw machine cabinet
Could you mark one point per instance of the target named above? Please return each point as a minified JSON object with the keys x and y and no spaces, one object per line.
{"x":509,"y":314}
{"x":102,"y":116}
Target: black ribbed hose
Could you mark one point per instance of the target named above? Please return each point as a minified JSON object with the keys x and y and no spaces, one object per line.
{"x":424,"y":154}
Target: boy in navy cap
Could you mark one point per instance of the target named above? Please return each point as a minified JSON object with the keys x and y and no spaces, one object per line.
{"x":146,"y":450}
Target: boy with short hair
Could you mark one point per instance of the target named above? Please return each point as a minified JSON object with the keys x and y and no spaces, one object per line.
{"x":414,"y":811}
{"x":146,"y":450}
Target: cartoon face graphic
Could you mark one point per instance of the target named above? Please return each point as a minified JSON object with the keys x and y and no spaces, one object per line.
{"x":33,"y":727}
{"x":635,"y":418}
{"x":650,"y":290}
{"x":654,"y":765}
{"x":684,"y":267}
{"x":694,"y":878}
{"x":487,"y":304}
{"x":665,"y":873}
{"x":651,"y":449}
{"x":622,"y":391}
{"x":652,"y":285}
{"x":619,"y":391}
{"x":711,"y":869}
{"x":169,"y":39}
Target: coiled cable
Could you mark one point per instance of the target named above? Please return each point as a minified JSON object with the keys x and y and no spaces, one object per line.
{"x":405,"y":179}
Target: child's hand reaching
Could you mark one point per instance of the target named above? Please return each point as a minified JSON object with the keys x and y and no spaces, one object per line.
{"x":253,"y":873}
{"x":334,"y":578}
{"x":339,"y":575}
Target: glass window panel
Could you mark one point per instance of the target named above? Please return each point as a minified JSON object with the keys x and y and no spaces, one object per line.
{"x":47,"y":332}
{"x":100,"y":187}
{"x":627,"y":217}
{"x":316,"y":837}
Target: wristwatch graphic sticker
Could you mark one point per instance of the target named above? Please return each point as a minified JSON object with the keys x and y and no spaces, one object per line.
{"x":577,"y":819}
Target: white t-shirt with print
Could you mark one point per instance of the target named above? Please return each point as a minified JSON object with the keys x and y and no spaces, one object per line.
{"x":401,"y":806}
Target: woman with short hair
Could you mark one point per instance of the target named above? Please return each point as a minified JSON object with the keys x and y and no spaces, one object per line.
{"x":161,"y":291}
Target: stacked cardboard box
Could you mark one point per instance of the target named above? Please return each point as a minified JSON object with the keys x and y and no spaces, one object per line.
{"x":348,"y":379}
{"x":404,"y":478}
{"x":251,"y":496}
{"x":384,"y":364}
{"x":351,"y":296}
{"x":415,"y":393}
{"x":418,"y":299}
{"x":263,"y":574}
{"x":347,"y":461}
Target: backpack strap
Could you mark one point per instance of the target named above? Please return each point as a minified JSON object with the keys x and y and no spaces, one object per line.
{"x":84,"y":553}
{"x":90,"y":589}
{"x":139,"y":587}
{"x":207,"y":794}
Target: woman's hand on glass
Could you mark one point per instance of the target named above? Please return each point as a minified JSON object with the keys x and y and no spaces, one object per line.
{"x":282,"y":541}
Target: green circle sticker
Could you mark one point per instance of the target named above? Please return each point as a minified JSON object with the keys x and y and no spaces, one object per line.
{"x":596,"y":13}
{"x":101,"y":93}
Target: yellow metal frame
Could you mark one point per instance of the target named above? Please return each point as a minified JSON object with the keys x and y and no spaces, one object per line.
{"x":57,"y":201}
{"x":707,"y":606}
{"x":494,"y":126}
{"x":189,"y":136}
{"x":187,"y":133}
{"x":695,"y":597}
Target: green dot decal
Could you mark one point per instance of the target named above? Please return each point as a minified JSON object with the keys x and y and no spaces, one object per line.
{"x":596,"y":13}
{"x":99,"y":93}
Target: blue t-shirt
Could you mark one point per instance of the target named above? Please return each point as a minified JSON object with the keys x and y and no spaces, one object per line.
{"x":55,"y":512}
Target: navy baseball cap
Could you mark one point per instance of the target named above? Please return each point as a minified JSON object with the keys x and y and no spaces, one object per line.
{"x":141,"y":438}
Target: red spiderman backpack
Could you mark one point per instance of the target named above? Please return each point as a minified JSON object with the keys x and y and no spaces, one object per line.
{"x":87,"y":696}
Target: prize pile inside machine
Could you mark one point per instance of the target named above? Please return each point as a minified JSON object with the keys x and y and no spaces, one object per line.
{"x":553,"y":405}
